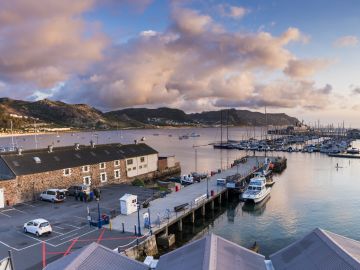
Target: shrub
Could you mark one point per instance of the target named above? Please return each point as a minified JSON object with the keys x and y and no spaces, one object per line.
{"x":138,"y":182}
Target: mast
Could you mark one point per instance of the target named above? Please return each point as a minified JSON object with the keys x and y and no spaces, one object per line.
{"x":12,"y":134}
{"x":221,"y":121}
{"x":266,"y":130}
{"x":36,"y":144}
{"x":227,"y":127}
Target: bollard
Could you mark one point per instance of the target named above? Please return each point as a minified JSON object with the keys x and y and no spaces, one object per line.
{"x":110,"y":225}
{"x":123,"y":227}
{"x":135,"y":228}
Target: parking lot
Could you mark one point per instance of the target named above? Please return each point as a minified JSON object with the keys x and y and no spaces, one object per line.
{"x":71,"y":229}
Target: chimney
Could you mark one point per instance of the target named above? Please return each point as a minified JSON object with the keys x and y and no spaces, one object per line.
{"x":92,"y":144}
{"x":50,"y":148}
{"x":19,"y":151}
{"x":77,"y":145}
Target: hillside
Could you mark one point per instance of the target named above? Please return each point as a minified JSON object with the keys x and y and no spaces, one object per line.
{"x":243,"y":118}
{"x":82,"y":116}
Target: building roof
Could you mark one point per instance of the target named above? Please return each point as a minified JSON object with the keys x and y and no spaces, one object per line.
{"x":96,"y":257}
{"x":211,"y":253}
{"x":319,"y":249}
{"x":37,"y":161}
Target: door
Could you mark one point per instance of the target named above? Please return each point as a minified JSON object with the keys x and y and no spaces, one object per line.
{"x":2,"y":198}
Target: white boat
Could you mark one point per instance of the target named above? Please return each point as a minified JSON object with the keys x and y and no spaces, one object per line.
{"x":353,"y":151}
{"x":257,"y":190}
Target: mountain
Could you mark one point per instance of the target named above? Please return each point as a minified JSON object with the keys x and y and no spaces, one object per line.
{"x":58,"y":113}
{"x":83,"y":116}
{"x":243,"y":118}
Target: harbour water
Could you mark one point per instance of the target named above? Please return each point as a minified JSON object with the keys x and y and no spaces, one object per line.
{"x":312,"y":192}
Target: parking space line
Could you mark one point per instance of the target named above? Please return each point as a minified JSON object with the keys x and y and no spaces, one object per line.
{"x":7,"y":245}
{"x":75,"y":226}
{"x":57,"y":233}
{"x":20,"y":210}
{"x":77,"y":237}
{"x":7,"y":210}
{"x":21,"y":249}
{"x":58,"y":227}
{"x":25,"y":234}
{"x":4,"y":214}
{"x":71,"y":235}
{"x":27,"y":204}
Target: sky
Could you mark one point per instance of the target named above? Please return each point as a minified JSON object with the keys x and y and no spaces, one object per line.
{"x":297,"y":57}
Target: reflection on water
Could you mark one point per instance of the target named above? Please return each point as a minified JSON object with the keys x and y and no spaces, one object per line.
{"x":310,"y":193}
{"x":256,"y":209}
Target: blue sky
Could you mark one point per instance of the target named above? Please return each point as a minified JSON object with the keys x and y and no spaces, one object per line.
{"x":298,"y":57}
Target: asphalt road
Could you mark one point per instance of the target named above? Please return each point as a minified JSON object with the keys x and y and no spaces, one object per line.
{"x":71,"y":229}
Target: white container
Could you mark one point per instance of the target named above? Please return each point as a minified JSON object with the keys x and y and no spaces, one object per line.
{"x":128,"y":204}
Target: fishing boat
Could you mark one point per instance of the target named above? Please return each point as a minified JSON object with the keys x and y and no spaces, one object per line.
{"x":257,"y":190}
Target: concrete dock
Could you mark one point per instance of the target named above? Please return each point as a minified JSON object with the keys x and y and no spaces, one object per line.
{"x":199,"y":197}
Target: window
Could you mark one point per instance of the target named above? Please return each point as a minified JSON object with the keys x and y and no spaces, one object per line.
{"x":117,"y":174}
{"x":67,"y":172}
{"x":87,"y":180}
{"x":129,"y":169}
{"x":103,"y":177}
{"x":86,"y":168}
{"x":129,"y":162}
{"x":142,"y":159}
{"x":102,"y":165}
{"x":134,"y":168}
{"x":116,"y":163}
{"x":140,"y":167}
{"x":145,"y":165}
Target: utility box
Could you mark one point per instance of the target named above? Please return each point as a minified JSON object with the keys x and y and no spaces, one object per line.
{"x":128,"y":204}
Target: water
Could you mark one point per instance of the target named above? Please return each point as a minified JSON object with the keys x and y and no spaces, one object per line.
{"x":310,"y":193}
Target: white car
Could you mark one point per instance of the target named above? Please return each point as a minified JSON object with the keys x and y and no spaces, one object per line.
{"x":52,"y":195}
{"x":38,"y":226}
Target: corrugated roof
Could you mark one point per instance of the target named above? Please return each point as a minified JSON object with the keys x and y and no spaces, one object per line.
{"x":96,"y":257}
{"x":211,"y":253}
{"x":37,"y":161}
{"x":319,"y":250}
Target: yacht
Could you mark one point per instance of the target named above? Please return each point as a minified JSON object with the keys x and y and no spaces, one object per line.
{"x":257,"y":190}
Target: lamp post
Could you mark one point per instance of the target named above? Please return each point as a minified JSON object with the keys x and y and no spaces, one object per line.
{"x":139,"y":228}
{"x":207,"y":187}
{"x":99,"y":217}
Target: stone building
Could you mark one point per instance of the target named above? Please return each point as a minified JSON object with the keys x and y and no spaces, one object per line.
{"x":25,"y":174}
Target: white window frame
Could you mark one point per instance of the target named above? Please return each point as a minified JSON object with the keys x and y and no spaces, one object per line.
{"x":67,"y":174}
{"x":117,"y":171}
{"x":142,"y":161}
{"x":116,"y":163}
{"x":101,"y":180}
{"x":86,"y":166}
{"x":87,"y":177}
{"x":100,"y":165}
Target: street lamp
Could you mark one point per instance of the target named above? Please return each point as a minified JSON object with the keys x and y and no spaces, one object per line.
{"x":99,"y":217}
{"x":207,"y":187}
{"x":139,"y":228}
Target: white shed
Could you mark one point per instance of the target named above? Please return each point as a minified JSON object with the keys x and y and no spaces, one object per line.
{"x":128,"y":204}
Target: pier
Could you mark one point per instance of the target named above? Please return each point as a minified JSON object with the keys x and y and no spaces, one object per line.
{"x":191,"y":202}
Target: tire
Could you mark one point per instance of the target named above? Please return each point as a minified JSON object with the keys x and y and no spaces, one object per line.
{"x":37,"y":234}
{"x":25,"y":230}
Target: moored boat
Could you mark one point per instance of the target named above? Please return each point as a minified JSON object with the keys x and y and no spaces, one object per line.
{"x":257,"y":190}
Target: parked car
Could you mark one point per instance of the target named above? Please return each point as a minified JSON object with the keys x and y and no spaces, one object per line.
{"x":38,"y":227}
{"x":52,"y":195}
{"x":77,"y":189}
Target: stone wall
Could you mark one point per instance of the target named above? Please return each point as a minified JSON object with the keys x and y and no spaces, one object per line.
{"x":28,"y":187}
{"x":146,"y":248}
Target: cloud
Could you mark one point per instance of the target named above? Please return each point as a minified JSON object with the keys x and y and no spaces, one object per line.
{"x":284,"y":94}
{"x":46,"y":42}
{"x":356,"y":91}
{"x":346,"y":41}
{"x":195,"y":63}
{"x":304,"y":67}
{"x":234,"y":12}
